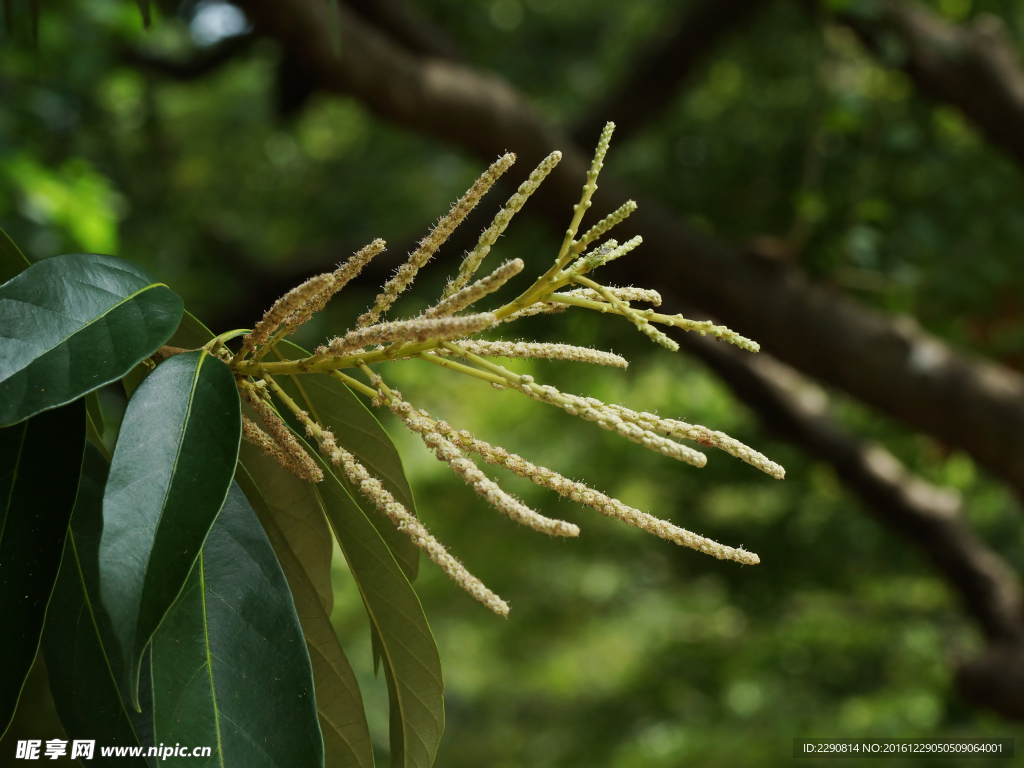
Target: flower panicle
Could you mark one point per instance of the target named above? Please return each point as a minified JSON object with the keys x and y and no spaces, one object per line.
{"x":292,"y":303}
{"x":592,"y":409}
{"x":588,"y":408}
{"x":603,"y":255}
{"x":428,"y":245}
{"x":280,"y":444}
{"x":613,"y":219}
{"x":415,"y":330}
{"x":426,"y":427}
{"x":473,"y":293}
{"x":583,"y":494}
{"x":489,"y":236}
{"x":597,"y":164}
{"x":638,"y":319}
{"x":628,"y":293}
{"x":373,"y":490}
{"x":565,"y":253}
{"x":345,"y":273}
{"x":702,"y":436}
{"x":539,"y":350}
{"x":540,"y":308}
{"x":720,"y":332}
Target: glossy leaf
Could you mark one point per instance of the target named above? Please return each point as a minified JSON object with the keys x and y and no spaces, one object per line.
{"x":295,"y":508}
{"x":12,"y":260}
{"x":339,"y":704}
{"x":74,"y":323}
{"x":94,"y":424}
{"x":407,"y":645}
{"x":172,"y":467}
{"x":357,"y":430}
{"x":92,"y":405}
{"x":191,"y":334}
{"x":40,"y":465}
{"x":78,"y":636}
{"x":230,"y":666}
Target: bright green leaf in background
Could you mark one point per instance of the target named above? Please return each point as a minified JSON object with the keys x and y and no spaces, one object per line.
{"x":172,"y":467}
{"x":79,"y":646}
{"x":230,"y":667}
{"x":74,"y":323}
{"x":75,"y":198}
{"x":40,"y":464}
{"x":12,"y":260}
{"x":338,"y":700}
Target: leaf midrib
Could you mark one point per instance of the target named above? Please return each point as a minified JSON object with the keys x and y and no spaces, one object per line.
{"x":163,"y":505}
{"x":96,"y":629}
{"x":209,"y":659}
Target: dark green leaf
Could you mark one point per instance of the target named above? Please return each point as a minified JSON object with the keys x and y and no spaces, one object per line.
{"x":12,"y":260}
{"x":294,"y":505}
{"x":191,"y":334}
{"x":78,"y":635}
{"x":230,"y":666}
{"x":357,"y":430}
{"x":172,"y":467}
{"x":40,"y":464}
{"x":408,"y":648}
{"x":94,"y":423}
{"x":338,"y":701}
{"x":74,"y":323}
{"x":295,"y":508}
{"x":92,"y":405}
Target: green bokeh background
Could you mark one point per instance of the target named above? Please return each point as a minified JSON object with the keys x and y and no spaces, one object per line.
{"x":621,"y":650}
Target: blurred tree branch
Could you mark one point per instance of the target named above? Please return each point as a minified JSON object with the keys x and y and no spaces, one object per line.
{"x":973,"y":67}
{"x":203,"y":63}
{"x":407,"y":27}
{"x":648,"y":90}
{"x":796,"y":410}
{"x":891,"y":364}
{"x":927,"y":516}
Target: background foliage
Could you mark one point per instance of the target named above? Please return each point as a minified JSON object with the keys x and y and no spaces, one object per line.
{"x":621,"y":650}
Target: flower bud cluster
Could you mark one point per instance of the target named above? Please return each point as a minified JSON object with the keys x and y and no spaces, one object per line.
{"x":416,"y":330}
{"x":539,"y":350}
{"x":613,"y":219}
{"x":583,"y":494}
{"x":422,"y":424}
{"x":430,"y":337}
{"x":490,"y":235}
{"x":473,"y":293}
{"x":429,"y":245}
